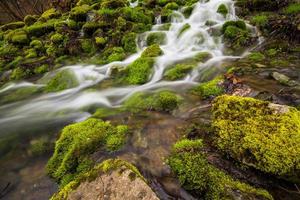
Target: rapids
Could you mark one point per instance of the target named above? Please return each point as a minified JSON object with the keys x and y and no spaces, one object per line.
{"x":71,"y":104}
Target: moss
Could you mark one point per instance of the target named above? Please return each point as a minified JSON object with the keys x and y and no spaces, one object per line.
{"x":171,"y":6}
{"x":256,"y":57}
{"x":222,"y":9}
{"x":37,"y":44}
{"x":165,"y":101}
{"x":104,"y":167}
{"x":87,"y":46}
{"x":30,"y":53}
{"x":129,"y":42}
{"x":100,"y":41}
{"x":50,"y":14}
{"x":105,"y":112}
{"x":137,"y":15}
{"x":292,"y":9}
{"x":77,"y":142}
{"x":18,"y":73}
{"x":57,"y":38}
{"x":41,"y":69}
{"x":40,"y":28}
{"x":152,"y":51}
{"x":195,"y":173}
{"x":62,"y":80}
{"x":12,"y":26}
{"x":8,"y":50}
{"x":30,"y":19}
{"x":178,"y":71}
{"x":39,"y":146}
{"x":156,"y":38}
{"x":139,"y":71}
{"x":79,"y":13}
{"x":18,"y":37}
{"x":260,"y":20}
{"x":236,"y":34}
{"x":113,"y":3}
{"x":257,"y":133}
{"x":18,"y":94}
{"x":184,"y":29}
{"x":210,"y":88}
{"x":90,"y":27}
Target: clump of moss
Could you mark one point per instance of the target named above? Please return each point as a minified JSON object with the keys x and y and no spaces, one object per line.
{"x":18,"y":37}
{"x":36,"y":44}
{"x":50,"y":14}
{"x":222,"y":9}
{"x":190,"y":164}
{"x":178,"y":71}
{"x":60,"y":81}
{"x":77,"y":142}
{"x":258,"y":133}
{"x":236,"y":34}
{"x":292,"y":9}
{"x":30,"y":19}
{"x":39,"y":146}
{"x":210,"y":88}
{"x":162,"y":101}
{"x":12,"y":26}
{"x":256,"y":56}
{"x":113,"y":4}
{"x":18,"y":73}
{"x":156,"y":38}
{"x":87,"y":46}
{"x":104,"y":167}
{"x":57,"y":38}
{"x":129,"y":43}
{"x":260,"y":20}
{"x":152,"y":51}
{"x":79,"y":13}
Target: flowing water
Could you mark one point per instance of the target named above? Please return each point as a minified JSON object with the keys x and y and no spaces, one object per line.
{"x":47,"y":112}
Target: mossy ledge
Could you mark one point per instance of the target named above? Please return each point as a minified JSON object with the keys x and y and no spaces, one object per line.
{"x":194,"y":172}
{"x":77,"y":142}
{"x":257,"y":133}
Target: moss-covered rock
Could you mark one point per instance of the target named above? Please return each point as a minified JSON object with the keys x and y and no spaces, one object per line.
{"x":62,"y":80}
{"x":258,"y":133}
{"x":190,"y":164}
{"x":178,"y":71}
{"x":222,"y":9}
{"x":165,"y":101}
{"x":50,"y":14}
{"x":115,"y":174}
{"x":12,"y":26}
{"x":129,"y":42}
{"x":156,"y":38}
{"x":79,"y":13}
{"x":30,"y":19}
{"x":152,"y":51}
{"x":209,"y":89}
{"x":77,"y":142}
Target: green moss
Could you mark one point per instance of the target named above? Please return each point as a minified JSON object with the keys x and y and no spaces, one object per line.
{"x":30,"y":53}
{"x":39,"y":146}
{"x":8,"y":50}
{"x":18,"y":73}
{"x":37,"y":44}
{"x":50,"y":14}
{"x":18,"y":37}
{"x":178,"y":71}
{"x":236,"y":34}
{"x":57,"y":38}
{"x":258,"y":133}
{"x":18,"y":94}
{"x":152,"y":51}
{"x":260,"y":20}
{"x":165,"y":101}
{"x":129,"y":43}
{"x":100,"y":41}
{"x":77,"y":142}
{"x":210,"y":88}
{"x":79,"y":13}
{"x":137,"y":15}
{"x":171,"y":6}
{"x":190,"y":164}
{"x":40,"y":28}
{"x":30,"y":19}
{"x":41,"y":69}
{"x":90,"y":27}
{"x":113,"y":3}
{"x":292,"y":9}
{"x":104,"y":167}
{"x":87,"y":46}
{"x":156,"y":38}
{"x":62,"y":80}
{"x":12,"y":26}
{"x":184,"y":29}
{"x":139,"y":71}
{"x":222,"y":9}
{"x":256,"y":57}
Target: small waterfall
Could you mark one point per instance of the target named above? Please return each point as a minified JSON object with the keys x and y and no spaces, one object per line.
{"x":178,"y":46}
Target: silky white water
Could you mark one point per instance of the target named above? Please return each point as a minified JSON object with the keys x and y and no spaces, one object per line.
{"x":71,"y":103}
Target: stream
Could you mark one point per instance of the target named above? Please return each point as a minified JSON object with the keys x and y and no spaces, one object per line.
{"x":44,"y":114}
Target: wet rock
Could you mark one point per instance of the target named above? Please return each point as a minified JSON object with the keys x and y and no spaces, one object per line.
{"x":283,"y":79}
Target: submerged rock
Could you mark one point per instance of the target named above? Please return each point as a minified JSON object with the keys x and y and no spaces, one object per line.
{"x":283,"y":79}
{"x":112,"y":179}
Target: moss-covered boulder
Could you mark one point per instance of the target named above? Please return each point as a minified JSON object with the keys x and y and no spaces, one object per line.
{"x":178,"y":71}
{"x":258,"y":133}
{"x":77,"y":142}
{"x":113,"y":175}
{"x":165,"y":101}
{"x":208,"y":89}
{"x":195,"y":173}
{"x":152,"y":51}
